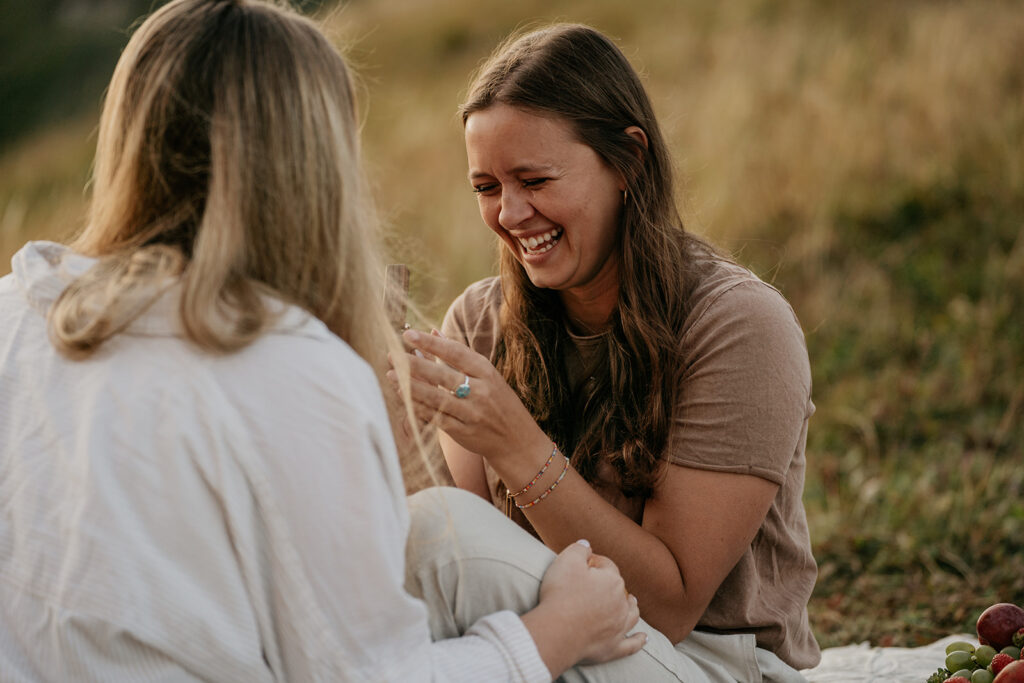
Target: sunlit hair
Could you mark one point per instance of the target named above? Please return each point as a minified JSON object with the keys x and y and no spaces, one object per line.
{"x":227,"y":160}
{"x":575,"y":74}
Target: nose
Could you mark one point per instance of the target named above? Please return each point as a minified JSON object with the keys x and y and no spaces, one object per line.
{"x":515,"y":208}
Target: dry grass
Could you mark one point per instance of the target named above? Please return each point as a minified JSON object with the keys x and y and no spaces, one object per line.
{"x":866,"y":157}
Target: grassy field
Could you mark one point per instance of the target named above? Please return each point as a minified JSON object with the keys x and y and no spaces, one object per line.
{"x":867,"y":158}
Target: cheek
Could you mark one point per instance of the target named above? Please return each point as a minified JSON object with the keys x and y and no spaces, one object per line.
{"x":509,"y":242}
{"x":489,"y":211}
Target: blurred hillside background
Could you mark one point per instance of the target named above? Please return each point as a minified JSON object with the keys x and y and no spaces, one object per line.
{"x":865,"y":157}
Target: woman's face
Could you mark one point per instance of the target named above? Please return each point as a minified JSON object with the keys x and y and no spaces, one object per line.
{"x":551,"y":198}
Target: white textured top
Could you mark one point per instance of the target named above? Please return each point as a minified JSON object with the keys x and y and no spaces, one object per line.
{"x":171,"y":515}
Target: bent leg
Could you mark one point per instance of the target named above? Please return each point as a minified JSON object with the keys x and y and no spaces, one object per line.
{"x":465,"y":560}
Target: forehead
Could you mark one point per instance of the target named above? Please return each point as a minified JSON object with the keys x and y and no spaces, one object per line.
{"x":506,"y":136}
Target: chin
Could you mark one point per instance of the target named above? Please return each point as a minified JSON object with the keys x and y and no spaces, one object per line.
{"x":544,"y":282}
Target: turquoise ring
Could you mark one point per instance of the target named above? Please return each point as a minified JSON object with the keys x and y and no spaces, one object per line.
{"x":462,"y":391}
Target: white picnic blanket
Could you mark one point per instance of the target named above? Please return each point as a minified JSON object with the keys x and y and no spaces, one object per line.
{"x":866,"y":664}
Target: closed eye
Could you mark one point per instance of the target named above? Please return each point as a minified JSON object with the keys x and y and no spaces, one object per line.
{"x":485,"y":188}
{"x":534,"y":182}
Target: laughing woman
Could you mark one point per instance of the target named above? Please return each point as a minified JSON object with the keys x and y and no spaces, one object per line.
{"x":620,"y":380}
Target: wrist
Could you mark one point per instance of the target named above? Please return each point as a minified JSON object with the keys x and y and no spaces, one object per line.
{"x":520,"y":462}
{"x":554,"y":636}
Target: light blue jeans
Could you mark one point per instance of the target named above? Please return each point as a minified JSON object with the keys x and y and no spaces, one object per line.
{"x":466,"y":560}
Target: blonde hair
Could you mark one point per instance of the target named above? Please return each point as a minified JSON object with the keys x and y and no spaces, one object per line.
{"x":228,"y":161}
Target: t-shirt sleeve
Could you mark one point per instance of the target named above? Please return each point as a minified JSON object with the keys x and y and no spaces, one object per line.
{"x":745,"y":386}
{"x":474,"y":317}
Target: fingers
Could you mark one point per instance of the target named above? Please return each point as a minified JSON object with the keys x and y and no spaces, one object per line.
{"x":436,"y":374}
{"x":634,"y":613}
{"x":580,"y":548}
{"x":457,"y":355}
{"x":431,"y":406}
{"x":632,"y":644}
{"x":430,"y":392}
{"x":629,"y":643}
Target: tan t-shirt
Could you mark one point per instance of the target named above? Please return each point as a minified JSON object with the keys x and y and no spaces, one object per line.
{"x":743,"y":406}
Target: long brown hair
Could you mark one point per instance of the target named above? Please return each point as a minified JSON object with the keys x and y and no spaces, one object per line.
{"x":578,"y":75}
{"x":227,"y":161}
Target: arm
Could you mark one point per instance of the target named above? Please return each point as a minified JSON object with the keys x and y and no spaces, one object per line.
{"x":690,"y":509}
{"x":693,"y":530}
{"x":467,"y":467}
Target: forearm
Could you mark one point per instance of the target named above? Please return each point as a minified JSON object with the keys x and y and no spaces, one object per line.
{"x":466,"y":467}
{"x":574,"y":510}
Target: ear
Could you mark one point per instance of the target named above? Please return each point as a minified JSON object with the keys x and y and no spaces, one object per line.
{"x":638,"y":134}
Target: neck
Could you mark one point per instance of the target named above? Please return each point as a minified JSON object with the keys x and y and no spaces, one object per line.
{"x":589,"y":310}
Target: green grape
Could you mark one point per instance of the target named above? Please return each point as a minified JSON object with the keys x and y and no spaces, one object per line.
{"x":984,"y":655}
{"x":957,"y":660}
{"x":959,"y":646}
{"x":982,"y":676}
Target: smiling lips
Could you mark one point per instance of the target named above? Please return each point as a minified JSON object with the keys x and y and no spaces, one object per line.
{"x":538,"y":244}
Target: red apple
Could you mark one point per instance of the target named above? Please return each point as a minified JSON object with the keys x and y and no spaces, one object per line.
{"x":998,"y":623}
{"x":1013,"y":673}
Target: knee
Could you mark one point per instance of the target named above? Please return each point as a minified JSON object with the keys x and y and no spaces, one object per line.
{"x":432,"y":510}
{"x":447,"y":520}
{"x":441,"y":513}
{"x":445,"y":496}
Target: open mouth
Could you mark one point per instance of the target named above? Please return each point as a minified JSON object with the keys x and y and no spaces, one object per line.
{"x":538,"y":244}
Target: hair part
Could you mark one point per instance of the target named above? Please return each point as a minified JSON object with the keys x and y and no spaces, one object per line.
{"x":576,"y":74}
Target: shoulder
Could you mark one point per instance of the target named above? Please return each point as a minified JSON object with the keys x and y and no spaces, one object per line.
{"x":483,"y":297}
{"x":474,"y":316}
{"x":295,"y":375}
{"x":725,"y":288}
{"x":727,"y":295}
{"x":738,"y":320}
{"x":302,"y":369}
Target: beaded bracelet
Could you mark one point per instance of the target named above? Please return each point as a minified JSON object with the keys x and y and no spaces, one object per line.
{"x":540,"y":474}
{"x":550,"y":488}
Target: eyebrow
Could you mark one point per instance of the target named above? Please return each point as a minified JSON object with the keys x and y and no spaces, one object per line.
{"x":522,"y":168}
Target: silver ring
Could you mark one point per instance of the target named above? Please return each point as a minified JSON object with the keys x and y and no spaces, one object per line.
{"x":462,"y":391}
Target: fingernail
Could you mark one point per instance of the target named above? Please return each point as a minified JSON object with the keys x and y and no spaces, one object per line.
{"x":418,"y":353}
{"x":437,"y":333}
{"x":584,"y":542}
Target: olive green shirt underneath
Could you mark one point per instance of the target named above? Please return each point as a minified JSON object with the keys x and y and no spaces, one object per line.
{"x":743,"y":405}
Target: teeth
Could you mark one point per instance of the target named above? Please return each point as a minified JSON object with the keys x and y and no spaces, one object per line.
{"x":544,"y":241}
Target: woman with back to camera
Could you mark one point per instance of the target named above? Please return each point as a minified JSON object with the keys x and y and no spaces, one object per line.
{"x":198,"y":479}
{"x":623,"y":381}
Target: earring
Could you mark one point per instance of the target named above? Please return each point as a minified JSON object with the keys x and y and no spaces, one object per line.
{"x":625,"y":194}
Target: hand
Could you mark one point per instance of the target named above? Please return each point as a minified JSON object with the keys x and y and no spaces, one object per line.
{"x":491,"y":420}
{"x":588,"y":594}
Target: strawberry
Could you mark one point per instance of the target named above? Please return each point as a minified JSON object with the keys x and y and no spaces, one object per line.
{"x":999,"y":662}
{"x":956,"y":679}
